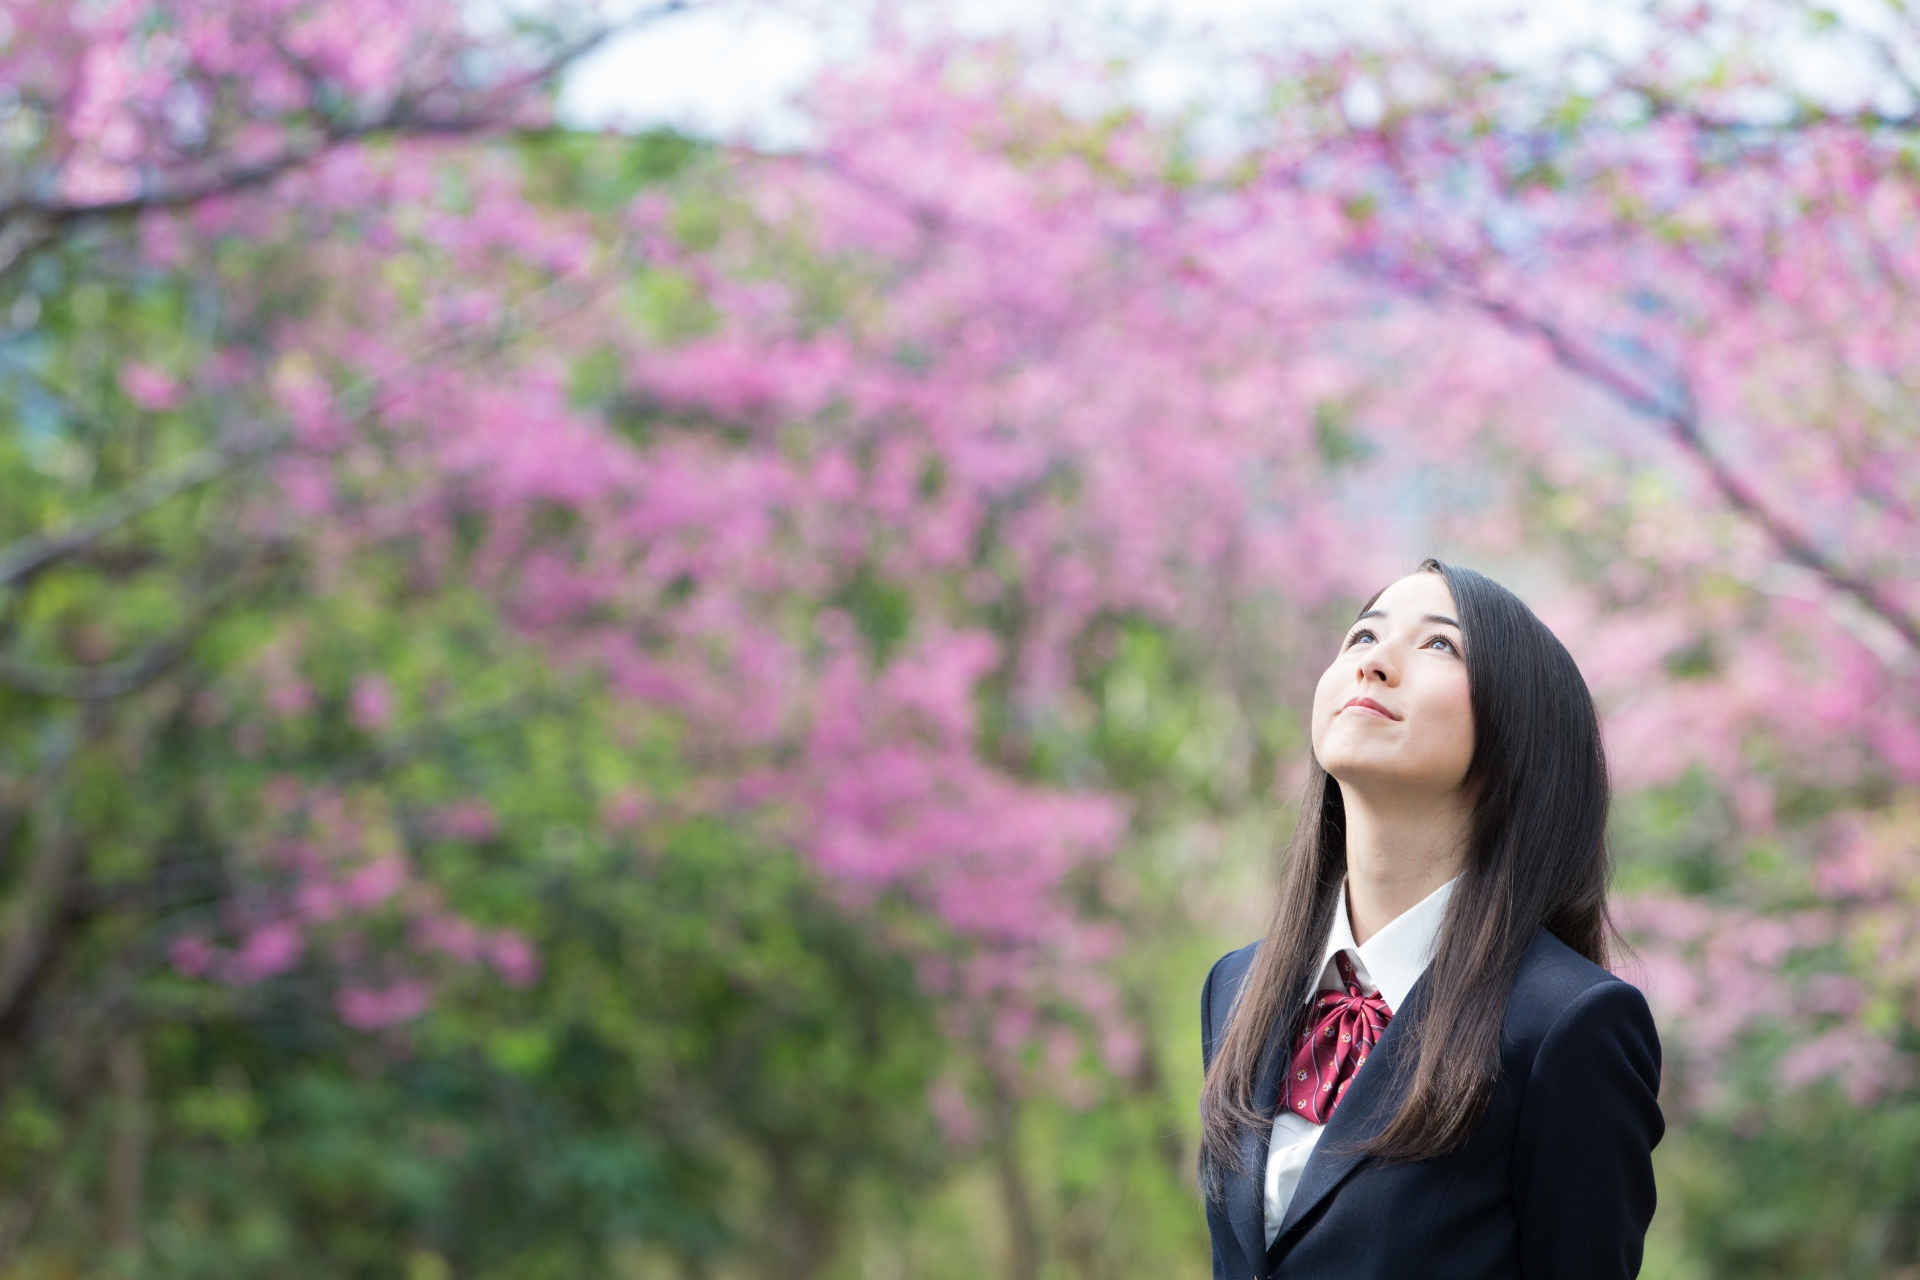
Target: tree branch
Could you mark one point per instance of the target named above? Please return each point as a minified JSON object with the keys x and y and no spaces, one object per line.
{"x":30,"y":556}
{"x":1680,"y":419}
{"x":27,"y":225}
{"x":24,"y":560}
{"x":108,"y":680}
{"x":40,"y":902}
{"x":404,"y":118}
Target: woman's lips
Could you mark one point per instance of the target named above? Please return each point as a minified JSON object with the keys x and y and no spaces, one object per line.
{"x":1369,"y":707}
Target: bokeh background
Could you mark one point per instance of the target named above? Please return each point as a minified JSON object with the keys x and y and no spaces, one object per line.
{"x":661,"y":642}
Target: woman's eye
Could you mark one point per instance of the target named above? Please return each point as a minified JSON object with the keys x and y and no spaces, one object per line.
{"x":1444,"y":644}
{"x":1357,"y":637}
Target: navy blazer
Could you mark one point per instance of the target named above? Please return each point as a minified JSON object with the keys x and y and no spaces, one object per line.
{"x":1556,"y":1183}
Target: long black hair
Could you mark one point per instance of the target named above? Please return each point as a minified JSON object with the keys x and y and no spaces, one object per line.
{"x":1536,"y":857}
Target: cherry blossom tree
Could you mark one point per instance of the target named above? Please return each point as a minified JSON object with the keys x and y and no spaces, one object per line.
{"x":1717,"y":264}
{"x":127,"y":115}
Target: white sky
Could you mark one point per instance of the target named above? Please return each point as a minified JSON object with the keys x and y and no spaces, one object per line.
{"x":732,"y":67}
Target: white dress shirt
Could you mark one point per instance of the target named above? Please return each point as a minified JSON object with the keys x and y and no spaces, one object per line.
{"x":1389,"y":963}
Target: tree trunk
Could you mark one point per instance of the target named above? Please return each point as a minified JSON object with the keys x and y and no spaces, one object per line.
{"x":1023,"y":1231}
{"x":802,"y":1234}
{"x":34,"y":923}
{"x":1148,"y":1084}
{"x":127,"y":1151}
{"x":36,"y":918}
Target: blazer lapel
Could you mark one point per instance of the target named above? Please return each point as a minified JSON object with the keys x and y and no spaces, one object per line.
{"x":1367,"y":1109}
{"x":1247,"y":1193}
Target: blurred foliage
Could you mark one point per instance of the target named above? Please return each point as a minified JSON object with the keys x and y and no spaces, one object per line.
{"x":718,"y":1072}
{"x":713,"y":1058}
{"x":1787,"y":1187}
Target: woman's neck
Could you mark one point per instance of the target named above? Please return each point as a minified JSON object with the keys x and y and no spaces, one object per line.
{"x":1400,"y":848}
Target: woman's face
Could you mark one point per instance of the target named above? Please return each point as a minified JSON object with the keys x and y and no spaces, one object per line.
{"x":1392,"y":711}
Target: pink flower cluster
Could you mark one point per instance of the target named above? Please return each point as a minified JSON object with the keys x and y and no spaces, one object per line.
{"x":142,"y":97}
{"x":1717,"y":976}
{"x":331,"y":881}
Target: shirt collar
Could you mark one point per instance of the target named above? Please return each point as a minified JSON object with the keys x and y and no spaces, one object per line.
{"x":1393,"y":959}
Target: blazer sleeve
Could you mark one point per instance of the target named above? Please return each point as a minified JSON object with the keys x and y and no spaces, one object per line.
{"x":1222,"y":985}
{"x":1206,"y":1017}
{"x":1583,"y":1151}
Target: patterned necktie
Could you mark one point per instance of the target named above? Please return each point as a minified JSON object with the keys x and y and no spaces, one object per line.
{"x":1340,"y":1030}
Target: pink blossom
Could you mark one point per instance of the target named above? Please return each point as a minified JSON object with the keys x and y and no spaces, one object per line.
{"x":268,"y":952}
{"x":959,"y":1120}
{"x":192,"y":955}
{"x":450,"y":935}
{"x":290,"y":697}
{"x":625,"y":810}
{"x":149,"y":388}
{"x":371,"y":702}
{"x":513,"y":957}
{"x":471,"y":821}
{"x":373,"y":1008}
{"x":1865,"y":1065}
{"x":374,"y":883}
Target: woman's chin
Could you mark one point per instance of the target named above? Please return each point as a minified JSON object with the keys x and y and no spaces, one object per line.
{"x":1374,"y":775}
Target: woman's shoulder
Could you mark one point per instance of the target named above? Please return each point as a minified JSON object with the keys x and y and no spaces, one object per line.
{"x":1228,"y":972}
{"x":1218,"y":991}
{"x":1557,"y":986}
{"x":1233,"y":966}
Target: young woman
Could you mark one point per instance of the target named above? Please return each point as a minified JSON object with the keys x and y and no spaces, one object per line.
{"x":1424,"y":1070}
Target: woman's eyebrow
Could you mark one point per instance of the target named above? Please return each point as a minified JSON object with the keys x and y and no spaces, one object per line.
{"x":1432,"y":617}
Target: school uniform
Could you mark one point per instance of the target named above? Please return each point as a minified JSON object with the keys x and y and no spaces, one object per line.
{"x":1555,"y":1183}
